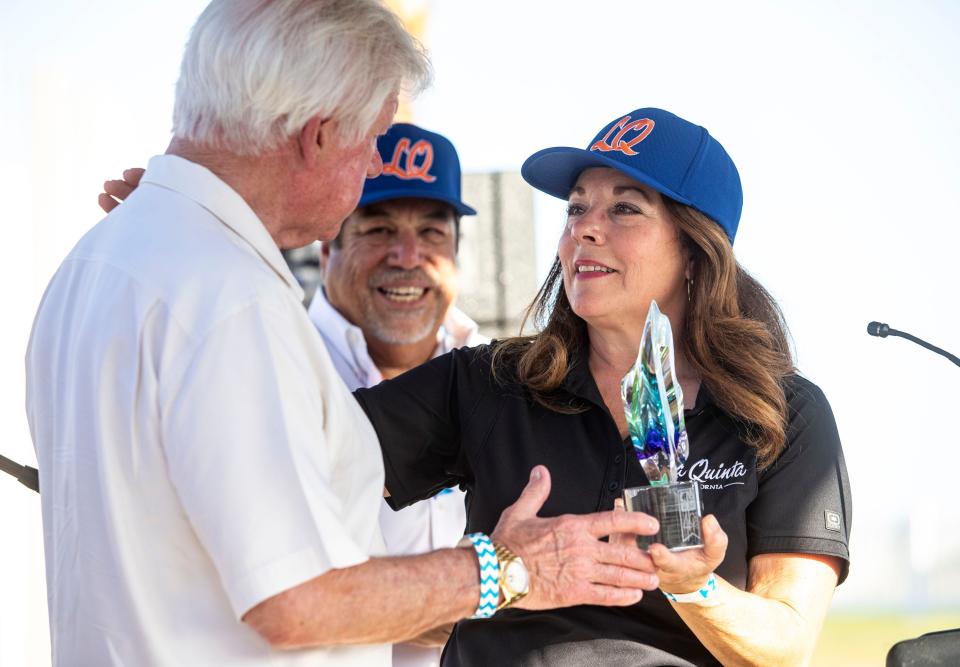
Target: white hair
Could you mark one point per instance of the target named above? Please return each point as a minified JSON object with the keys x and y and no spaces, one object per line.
{"x":255,"y":71}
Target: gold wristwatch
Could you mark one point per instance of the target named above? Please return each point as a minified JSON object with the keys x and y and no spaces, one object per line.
{"x":514,"y":578}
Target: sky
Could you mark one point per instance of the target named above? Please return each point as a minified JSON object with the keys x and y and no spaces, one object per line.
{"x":841,"y":117}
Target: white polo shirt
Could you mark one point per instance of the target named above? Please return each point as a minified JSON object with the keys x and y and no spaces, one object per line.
{"x":436,"y":523}
{"x":198,"y":451}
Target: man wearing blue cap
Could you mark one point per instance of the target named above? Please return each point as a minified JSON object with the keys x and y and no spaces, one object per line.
{"x":386,"y":305}
{"x":391,"y":272}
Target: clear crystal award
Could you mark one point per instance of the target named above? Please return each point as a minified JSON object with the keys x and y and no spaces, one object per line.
{"x":653,"y":404}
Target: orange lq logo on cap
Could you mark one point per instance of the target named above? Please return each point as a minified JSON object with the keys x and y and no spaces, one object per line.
{"x":404,"y":163}
{"x":643,"y":127}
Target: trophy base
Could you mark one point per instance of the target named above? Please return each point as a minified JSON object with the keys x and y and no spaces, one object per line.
{"x":676,"y":506}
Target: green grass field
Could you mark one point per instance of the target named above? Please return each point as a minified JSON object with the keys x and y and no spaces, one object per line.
{"x":862,"y":640}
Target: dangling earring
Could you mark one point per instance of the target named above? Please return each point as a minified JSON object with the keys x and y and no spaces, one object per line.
{"x":689,"y":287}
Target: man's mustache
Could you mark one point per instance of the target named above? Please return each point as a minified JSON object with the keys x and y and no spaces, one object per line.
{"x":408,"y":277}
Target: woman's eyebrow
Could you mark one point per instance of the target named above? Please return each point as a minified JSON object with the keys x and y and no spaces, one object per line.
{"x":617,"y":191}
{"x":620,"y":189}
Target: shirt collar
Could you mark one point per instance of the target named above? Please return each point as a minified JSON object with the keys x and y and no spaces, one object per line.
{"x":344,"y":338}
{"x":206,"y":189}
{"x":579,"y":380}
{"x":458,"y":330}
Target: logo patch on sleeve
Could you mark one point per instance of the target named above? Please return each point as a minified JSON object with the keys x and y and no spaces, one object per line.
{"x":831,"y":521}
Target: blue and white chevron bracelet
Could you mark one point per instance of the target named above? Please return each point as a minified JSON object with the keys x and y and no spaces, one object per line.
{"x":489,"y":575}
{"x":708,"y":592}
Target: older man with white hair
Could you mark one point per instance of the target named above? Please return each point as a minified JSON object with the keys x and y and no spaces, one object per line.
{"x":386,"y":305}
{"x":210,"y":488}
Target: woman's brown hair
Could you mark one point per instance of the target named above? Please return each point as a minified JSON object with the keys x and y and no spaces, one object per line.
{"x":734,"y":336}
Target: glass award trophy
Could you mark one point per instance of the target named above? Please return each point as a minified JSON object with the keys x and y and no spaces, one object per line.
{"x":653,"y":403}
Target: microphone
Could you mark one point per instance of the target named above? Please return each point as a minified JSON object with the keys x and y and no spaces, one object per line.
{"x":881,"y":330}
{"x":26,"y":475}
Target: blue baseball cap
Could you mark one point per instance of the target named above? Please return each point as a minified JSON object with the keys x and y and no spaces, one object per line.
{"x":417,"y":163}
{"x":671,"y":155}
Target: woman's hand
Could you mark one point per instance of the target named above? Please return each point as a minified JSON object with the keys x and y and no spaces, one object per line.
{"x":687,"y":571}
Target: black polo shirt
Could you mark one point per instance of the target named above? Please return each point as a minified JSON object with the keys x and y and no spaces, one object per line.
{"x":449,"y":422}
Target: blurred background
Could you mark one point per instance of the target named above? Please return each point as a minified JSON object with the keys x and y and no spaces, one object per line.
{"x":842,"y":119}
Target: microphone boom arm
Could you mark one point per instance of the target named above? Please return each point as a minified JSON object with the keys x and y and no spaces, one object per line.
{"x":923,"y":343}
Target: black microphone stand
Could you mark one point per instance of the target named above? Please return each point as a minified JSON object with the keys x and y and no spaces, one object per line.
{"x":933,"y":648}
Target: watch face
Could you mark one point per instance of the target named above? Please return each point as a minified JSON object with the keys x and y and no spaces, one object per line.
{"x":516,"y":577}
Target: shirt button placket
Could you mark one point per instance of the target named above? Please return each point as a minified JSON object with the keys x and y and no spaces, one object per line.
{"x":616,"y":475}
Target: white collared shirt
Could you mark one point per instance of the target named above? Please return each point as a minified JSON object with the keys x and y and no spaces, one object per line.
{"x":198,"y":452}
{"x":425,"y":526}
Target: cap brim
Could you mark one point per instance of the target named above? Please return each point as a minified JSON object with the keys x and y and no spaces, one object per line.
{"x":385,"y":195}
{"x":555,"y":171}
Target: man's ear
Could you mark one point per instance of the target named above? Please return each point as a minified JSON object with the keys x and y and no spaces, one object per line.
{"x":324,"y":255}
{"x":315,"y":137}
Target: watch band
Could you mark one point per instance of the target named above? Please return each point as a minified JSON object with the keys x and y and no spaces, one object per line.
{"x":708,"y":591}
{"x":489,"y":574}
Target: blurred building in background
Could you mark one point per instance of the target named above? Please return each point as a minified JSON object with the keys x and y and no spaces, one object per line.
{"x":498,"y":277}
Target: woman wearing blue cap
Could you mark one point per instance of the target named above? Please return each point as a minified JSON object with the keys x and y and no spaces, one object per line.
{"x":654,"y":204}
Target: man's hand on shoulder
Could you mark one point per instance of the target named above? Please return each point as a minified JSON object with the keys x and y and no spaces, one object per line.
{"x":568,"y":563}
{"x":115,"y":192}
